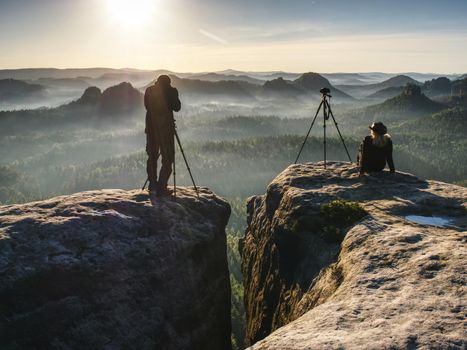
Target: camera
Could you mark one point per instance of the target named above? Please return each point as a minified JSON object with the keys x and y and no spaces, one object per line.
{"x":325,"y":91}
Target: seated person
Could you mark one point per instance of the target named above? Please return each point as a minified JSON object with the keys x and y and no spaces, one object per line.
{"x":375,"y":150}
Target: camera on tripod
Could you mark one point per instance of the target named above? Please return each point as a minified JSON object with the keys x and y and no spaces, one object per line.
{"x":325,"y":105}
{"x":325,"y":91}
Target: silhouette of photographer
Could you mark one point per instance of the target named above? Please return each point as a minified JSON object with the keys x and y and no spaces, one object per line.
{"x":160,"y":100}
{"x":376,"y":150}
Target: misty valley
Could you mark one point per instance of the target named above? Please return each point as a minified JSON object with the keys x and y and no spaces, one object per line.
{"x":64,"y":131}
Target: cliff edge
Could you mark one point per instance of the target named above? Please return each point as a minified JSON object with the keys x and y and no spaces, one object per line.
{"x":334,"y":261}
{"x":111,"y":270}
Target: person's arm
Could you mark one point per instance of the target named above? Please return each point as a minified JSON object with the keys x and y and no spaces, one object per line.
{"x":389,"y":158}
{"x":175,"y":103}
{"x":146,"y":103}
{"x":146,"y":99}
{"x":147,"y":128}
{"x":359,"y":158}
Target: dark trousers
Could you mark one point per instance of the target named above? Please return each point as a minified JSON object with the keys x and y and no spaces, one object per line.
{"x":163,"y":146}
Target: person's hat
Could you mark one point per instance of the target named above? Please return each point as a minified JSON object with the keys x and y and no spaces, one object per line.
{"x":163,"y":79}
{"x":379,"y":128}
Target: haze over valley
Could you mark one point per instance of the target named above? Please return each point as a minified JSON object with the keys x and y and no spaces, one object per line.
{"x":64,"y":131}
{"x":248,"y":75}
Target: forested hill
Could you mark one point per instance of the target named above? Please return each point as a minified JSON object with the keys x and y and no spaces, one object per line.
{"x":12,"y":89}
{"x":361,"y":91}
{"x":122,"y":102}
{"x":307,"y":84}
{"x":410,"y":103}
{"x":202,"y":89}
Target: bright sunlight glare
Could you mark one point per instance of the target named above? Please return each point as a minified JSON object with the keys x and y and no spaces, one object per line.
{"x":130,"y":13}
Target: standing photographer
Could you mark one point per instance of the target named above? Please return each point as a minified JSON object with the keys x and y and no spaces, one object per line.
{"x":160,"y":100}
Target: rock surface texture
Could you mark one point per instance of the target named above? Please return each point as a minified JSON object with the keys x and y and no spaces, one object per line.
{"x":390,"y":284}
{"x":111,"y":270}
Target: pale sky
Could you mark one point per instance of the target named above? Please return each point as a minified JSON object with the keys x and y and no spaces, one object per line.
{"x":259,"y":35}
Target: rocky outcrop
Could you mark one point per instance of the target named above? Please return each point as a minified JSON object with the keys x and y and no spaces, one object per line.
{"x":411,"y":103}
{"x":438,"y":86}
{"x":91,"y":96}
{"x":378,"y":281}
{"x":120,"y":99}
{"x":111,"y":270}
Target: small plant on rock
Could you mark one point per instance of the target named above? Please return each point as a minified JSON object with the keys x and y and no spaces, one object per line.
{"x":337,"y":215}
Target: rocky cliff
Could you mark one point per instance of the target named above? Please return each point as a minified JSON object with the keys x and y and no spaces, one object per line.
{"x":111,"y":270}
{"x":333,"y":261}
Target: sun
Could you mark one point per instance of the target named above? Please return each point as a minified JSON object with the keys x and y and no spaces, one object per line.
{"x":130,"y":13}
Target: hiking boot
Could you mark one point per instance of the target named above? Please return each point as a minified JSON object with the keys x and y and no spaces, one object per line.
{"x":152,"y":189}
{"x":163,"y":191}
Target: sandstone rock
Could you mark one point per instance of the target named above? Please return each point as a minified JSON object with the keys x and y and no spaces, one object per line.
{"x":109,"y":270}
{"x":391,"y":284}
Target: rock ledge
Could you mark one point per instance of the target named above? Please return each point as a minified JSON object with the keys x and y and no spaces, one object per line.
{"x":109,"y":270}
{"x":391,"y":283}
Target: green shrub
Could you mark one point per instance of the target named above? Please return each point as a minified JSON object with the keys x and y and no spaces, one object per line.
{"x":337,"y":215}
{"x":342,"y":212}
{"x":332,"y":220}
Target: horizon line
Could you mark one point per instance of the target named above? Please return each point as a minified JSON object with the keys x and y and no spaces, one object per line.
{"x":229,"y":69}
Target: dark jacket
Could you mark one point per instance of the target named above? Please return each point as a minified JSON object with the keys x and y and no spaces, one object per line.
{"x":373,"y":158}
{"x":160,"y":102}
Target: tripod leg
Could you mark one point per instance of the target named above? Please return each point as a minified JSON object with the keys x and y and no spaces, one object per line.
{"x":339,"y":132}
{"x":325,"y":117}
{"x":175,"y":176}
{"x":309,"y":130}
{"x":186,"y":163}
{"x":147,"y":179}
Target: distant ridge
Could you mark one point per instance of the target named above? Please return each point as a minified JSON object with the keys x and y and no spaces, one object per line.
{"x":398,"y":80}
{"x":347,"y":78}
{"x":281,"y":86}
{"x":38,"y":73}
{"x":62,"y":83}
{"x":12,"y":89}
{"x":202,"y":88}
{"x":439,"y":88}
{"x":410,"y":103}
{"x":307,"y":83}
{"x":227,"y":77}
{"x":386,"y":93}
{"x":341,"y":78}
{"x":362,"y":91}
{"x":262,"y":75}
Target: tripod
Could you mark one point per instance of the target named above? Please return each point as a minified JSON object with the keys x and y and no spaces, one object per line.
{"x":187,"y":166}
{"x":327,"y":112}
{"x":174,"y":173}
